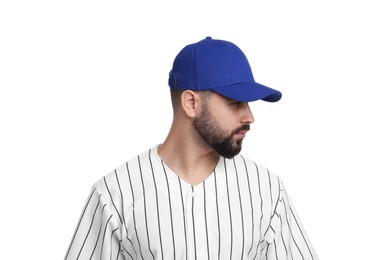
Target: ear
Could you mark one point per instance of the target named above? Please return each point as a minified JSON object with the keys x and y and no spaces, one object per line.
{"x":190,"y":103}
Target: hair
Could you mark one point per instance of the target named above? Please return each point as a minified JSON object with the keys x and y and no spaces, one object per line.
{"x":176,"y":97}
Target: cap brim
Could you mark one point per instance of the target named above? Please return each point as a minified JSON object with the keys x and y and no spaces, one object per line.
{"x":249,"y":91}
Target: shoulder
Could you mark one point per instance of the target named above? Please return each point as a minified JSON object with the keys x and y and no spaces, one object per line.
{"x":120,"y":177}
{"x":250,"y":165}
{"x":258,"y":175}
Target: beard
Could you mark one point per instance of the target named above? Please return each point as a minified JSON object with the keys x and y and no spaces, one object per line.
{"x":211,"y":133}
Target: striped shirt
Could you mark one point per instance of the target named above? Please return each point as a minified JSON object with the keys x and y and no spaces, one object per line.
{"x":142,"y":210}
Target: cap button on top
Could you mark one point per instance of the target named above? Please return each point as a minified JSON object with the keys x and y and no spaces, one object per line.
{"x":208,"y":38}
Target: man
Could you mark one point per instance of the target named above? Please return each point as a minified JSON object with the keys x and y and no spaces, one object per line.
{"x":194,"y":196}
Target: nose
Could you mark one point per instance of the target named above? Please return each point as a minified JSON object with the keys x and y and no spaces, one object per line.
{"x":247,"y":117}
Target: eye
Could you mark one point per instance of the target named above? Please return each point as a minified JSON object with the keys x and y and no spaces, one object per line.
{"x":236,"y":103}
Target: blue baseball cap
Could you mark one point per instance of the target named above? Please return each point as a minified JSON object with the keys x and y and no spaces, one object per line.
{"x":220,"y":66}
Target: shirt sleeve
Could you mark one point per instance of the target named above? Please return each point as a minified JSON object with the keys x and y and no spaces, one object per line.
{"x":97,"y":235}
{"x":286,"y":237}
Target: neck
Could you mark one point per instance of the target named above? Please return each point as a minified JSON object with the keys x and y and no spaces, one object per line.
{"x":181,"y":153}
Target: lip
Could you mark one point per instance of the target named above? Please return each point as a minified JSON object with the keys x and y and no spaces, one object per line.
{"x":241,"y":134}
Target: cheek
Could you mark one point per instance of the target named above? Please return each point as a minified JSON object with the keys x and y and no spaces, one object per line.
{"x":224,"y":114}
{"x":226,"y":119}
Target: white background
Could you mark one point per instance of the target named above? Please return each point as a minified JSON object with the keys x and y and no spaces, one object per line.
{"x":84,"y":88}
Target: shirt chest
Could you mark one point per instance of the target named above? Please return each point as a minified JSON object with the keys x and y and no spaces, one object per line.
{"x":217,"y":218}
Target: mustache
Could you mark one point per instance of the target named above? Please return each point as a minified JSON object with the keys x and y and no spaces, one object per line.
{"x":245,"y":127}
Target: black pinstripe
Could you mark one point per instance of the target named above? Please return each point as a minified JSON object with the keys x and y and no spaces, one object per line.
{"x":217,"y":214}
{"x":193,"y":223}
{"x":241,"y":210}
{"x":170,"y":212}
{"x":229,"y":208}
{"x":251,"y":206}
{"x":157,"y":207}
{"x":145,"y":208}
{"x":79,"y":221}
{"x":205,"y":218}
{"x":185,"y":224}
{"x":88,"y":231}
{"x":134,"y":216}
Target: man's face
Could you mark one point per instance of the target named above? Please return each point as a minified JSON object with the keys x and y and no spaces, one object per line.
{"x":226,"y":141}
